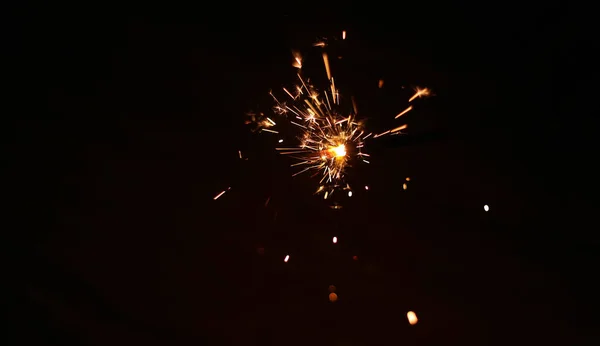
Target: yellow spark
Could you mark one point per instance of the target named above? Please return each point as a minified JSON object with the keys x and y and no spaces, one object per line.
{"x":344,"y":35}
{"x":404,"y":112}
{"x":412,"y":318}
{"x":420,"y":93}
{"x":240,"y":152}
{"x":404,"y":186}
{"x":297,"y":60}
{"x":399,"y":128}
{"x":327,"y":69}
{"x":221,"y":194}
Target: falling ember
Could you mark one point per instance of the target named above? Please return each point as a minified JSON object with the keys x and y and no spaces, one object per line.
{"x":335,"y":240}
{"x":344,"y":35}
{"x":412,"y":318}
{"x":281,"y":141}
{"x":355,"y":258}
{"x":404,"y":186}
{"x":367,"y":188}
{"x":349,"y":193}
{"x":380,"y":83}
{"x":486,"y":207}
{"x":286,"y":258}
{"x":407,"y":178}
{"x":240,"y":152}
{"x":333,"y":297}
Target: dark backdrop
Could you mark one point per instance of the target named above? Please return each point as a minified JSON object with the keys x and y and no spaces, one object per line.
{"x":129,"y":122}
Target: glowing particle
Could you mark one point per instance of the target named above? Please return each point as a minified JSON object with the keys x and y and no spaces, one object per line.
{"x":355,"y":258}
{"x":407,"y":178}
{"x":281,"y":141}
{"x":335,"y":240}
{"x":367,"y":188}
{"x":344,"y":35}
{"x":221,"y":193}
{"x":404,"y":186}
{"x":486,"y":207}
{"x":287,"y":257}
{"x":333,"y":297}
{"x":240,"y":152}
{"x":380,"y":83}
{"x":403,"y":112}
{"x":412,"y":318}
{"x":420,"y":93}
{"x":349,"y":193}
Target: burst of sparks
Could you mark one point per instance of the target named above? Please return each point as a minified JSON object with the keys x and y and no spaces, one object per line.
{"x":330,"y":139}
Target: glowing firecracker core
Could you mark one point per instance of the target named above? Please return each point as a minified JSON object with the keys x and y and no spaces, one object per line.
{"x":339,"y":151}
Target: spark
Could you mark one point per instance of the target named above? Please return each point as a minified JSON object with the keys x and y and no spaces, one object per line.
{"x":349,"y":193}
{"x":221,"y":194}
{"x":407,"y":178}
{"x":240,"y":152}
{"x":287,"y":258}
{"x":367,"y":188}
{"x":404,"y":186}
{"x":280,"y":141}
{"x":486,"y":207}
{"x":344,"y":35}
{"x":412,"y":318}
{"x":420,"y":93}
{"x":297,"y":60}
{"x":380,"y":84}
{"x":404,"y":112}
{"x":326,"y":62}
{"x":335,"y":240}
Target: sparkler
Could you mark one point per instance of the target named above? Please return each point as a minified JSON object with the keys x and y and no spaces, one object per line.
{"x":330,"y":138}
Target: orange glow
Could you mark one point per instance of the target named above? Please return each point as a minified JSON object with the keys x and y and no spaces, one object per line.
{"x":339,"y":151}
{"x":380,"y":83}
{"x":333,"y":297}
{"x":412,"y":318}
{"x":355,"y":258}
{"x":404,"y":186}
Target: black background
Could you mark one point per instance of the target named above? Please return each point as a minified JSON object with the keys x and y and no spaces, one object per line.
{"x":129,"y":120}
